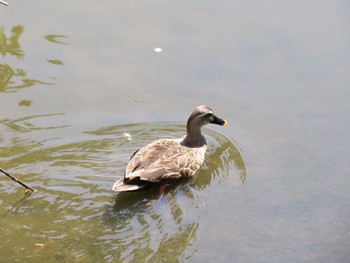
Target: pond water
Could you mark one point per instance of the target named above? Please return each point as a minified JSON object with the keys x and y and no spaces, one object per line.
{"x":84,"y":85}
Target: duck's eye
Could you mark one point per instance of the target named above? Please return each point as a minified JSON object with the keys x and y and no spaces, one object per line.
{"x":209,"y":116}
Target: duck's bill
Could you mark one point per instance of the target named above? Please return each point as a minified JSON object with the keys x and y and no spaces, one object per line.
{"x":219,"y":121}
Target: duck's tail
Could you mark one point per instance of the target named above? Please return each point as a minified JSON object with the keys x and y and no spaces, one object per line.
{"x":120,"y":186}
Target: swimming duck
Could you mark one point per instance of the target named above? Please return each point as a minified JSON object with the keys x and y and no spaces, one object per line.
{"x":169,"y":160}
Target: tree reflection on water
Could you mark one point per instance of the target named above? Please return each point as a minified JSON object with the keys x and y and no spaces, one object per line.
{"x":13,"y":79}
{"x":10,"y":45}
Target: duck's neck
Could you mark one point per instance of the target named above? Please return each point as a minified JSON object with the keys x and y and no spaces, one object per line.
{"x":194,"y":137}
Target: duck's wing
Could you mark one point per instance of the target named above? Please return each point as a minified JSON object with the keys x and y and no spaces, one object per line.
{"x":153,"y":158}
{"x":164,"y":160}
{"x":160,"y":161}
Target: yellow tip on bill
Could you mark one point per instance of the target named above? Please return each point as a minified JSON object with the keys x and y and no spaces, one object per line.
{"x":225,"y":122}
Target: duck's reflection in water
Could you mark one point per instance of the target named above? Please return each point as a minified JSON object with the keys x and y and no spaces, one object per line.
{"x":148,"y":227}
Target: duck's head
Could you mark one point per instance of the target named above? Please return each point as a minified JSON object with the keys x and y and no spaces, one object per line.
{"x":203,"y":115}
{"x":199,"y":117}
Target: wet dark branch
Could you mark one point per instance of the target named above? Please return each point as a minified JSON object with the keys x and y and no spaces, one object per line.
{"x":17,"y":180}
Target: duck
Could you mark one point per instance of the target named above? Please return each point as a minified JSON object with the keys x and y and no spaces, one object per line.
{"x":165,"y":161}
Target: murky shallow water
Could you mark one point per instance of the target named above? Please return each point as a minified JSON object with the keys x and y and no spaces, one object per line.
{"x":81,"y":220}
{"x":73,"y":77}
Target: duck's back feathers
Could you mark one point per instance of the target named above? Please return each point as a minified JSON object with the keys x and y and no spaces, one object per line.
{"x":161,"y":161}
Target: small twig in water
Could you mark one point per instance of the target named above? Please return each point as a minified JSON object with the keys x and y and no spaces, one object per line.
{"x":16,"y":180}
{"x":4,"y":3}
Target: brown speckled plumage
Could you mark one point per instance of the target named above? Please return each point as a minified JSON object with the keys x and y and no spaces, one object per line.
{"x":169,"y":160}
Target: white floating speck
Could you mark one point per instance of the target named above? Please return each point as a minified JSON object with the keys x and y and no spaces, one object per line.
{"x":127,"y":135}
{"x":157,"y":50}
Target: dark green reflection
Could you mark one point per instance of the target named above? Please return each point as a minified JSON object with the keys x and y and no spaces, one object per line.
{"x":25,"y":124}
{"x":13,"y":79}
{"x":10,"y":45}
{"x":26,"y":103}
{"x":55,"y":39}
{"x":55,"y":61}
